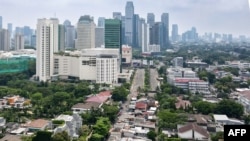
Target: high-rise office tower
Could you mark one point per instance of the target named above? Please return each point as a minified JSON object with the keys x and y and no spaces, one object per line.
{"x":156,"y":34}
{"x":145,"y":36}
{"x":27,"y":32}
{"x":67,"y":23}
{"x":151,"y":19}
{"x":70,"y":36}
{"x":19,"y":41}
{"x":117,"y":15}
{"x":33,"y":41}
{"x":112,"y":35}
{"x":99,"y":36}
{"x":136,"y":24}
{"x":174,"y":33}
{"x":230,"y":38}
{"x":165,"y":30}
{"x":4,"y":40}
{"x":1,"y":22}
{"x":123,"y":30}
{"x":101,"y":22}
{"x":46,"y":45}
{"x":85,"y":33}
{"x":9,"y":25}
{"x":129,"y":18}
{"x":61,"y":37}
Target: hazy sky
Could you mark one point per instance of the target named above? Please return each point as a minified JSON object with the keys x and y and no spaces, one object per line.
{"x":222,"y":16}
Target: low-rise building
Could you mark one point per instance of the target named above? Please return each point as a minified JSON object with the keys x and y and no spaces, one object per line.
{"x":70,"y":124}
{"x":126,"y":55}
{"x":224,"y":120}
{"x":80,"y":108}
{"x":192,"y":131}
{"x":37,"y":125}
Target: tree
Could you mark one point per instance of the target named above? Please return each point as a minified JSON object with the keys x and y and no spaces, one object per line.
{"x":61,"y":136}
{"x":169,"y":119}
{"x":42,"y":136}
{"x":222,"y":95}
{"x":217,"y":136}
{"x":151,"y":135}
{"x":110,"y":111}
{"x":230,"y":108}
{"x":96,"y":137}
{"x":119,"y":94}
{"x":204,"y":107}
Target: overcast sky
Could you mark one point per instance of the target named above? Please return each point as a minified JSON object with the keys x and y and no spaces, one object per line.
{"x":222,"y":16}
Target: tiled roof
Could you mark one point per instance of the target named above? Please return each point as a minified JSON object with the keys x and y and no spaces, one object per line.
{"x":97,"y":99}
{"x":105,"y":93}
{"x":140,"y":105}
{"x":195,"y":127}
{"x":87,"y":105}
{"x":182,"y":103}
{"x":39,"y":123}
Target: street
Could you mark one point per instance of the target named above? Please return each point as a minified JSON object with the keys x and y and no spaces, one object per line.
{"x":153,"y":79}
{"x":137,"y":82}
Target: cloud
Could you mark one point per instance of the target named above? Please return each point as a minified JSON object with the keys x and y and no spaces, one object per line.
{"x":207,"y":15}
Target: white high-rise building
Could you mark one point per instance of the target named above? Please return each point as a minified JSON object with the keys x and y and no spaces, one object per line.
{"x":19,"y":42}
{"x":47,"y":45}
{"x":85,"y":33}
{"x":145,"y":37}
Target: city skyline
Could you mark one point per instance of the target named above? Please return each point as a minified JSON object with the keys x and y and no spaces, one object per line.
{"x":230,"y":18}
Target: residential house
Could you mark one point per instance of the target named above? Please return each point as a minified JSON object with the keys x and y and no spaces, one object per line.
{"x":192,"y":131}
{"x":141,"y":106}
{"x":37,"y":125}
{"x":84,"y":107}
{"x":244,"y":98}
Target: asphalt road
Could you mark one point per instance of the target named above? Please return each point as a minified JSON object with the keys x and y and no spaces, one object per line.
{"x":153,"y":79}
{"x":137,"y":82}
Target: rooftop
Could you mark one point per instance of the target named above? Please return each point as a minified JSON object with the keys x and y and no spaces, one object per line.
{"x":195,"y":127}
{"x":87,"y":105}
{"x":220,"y":117}
{"x":39,"y":123}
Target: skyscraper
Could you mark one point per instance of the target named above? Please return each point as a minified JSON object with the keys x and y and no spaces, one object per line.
{"x":101,"y":22}
{"x":1,"y":22}
{"x":99,"y":36}
{"x":67,"y":23}
{"x":61,"y":37}
{"x":165,"y":30}
{"x":19,"y":41}
{"x":85,"y":33}
{"x":112,"y":35}
{"x":9,"y":25}
{"x":4,"y":40}
{"x":129,"y":14}
{"x":117,"y":15}
{"x":174,"y":33}
{"x":70,"y":36}
{"x":136,"y":24}
{"x":145,"y":36}
{"x":151,"y":19}
{"x":46,"y":45}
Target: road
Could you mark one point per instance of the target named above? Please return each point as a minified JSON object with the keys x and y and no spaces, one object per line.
{"x":153,"y":79}
{"x":137,"y":82}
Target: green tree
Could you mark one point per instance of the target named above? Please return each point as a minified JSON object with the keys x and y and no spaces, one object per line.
{"x":42,"y":136}
{"x":61,"y":136}
{"x":217,"y":136}
{"x":230,"y":108}
{"x":205,"y":107}
{"x":96,"y":137}
{"x":119,"y":94}
{"x":110,"y":111}
{"x":151,"y":135}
